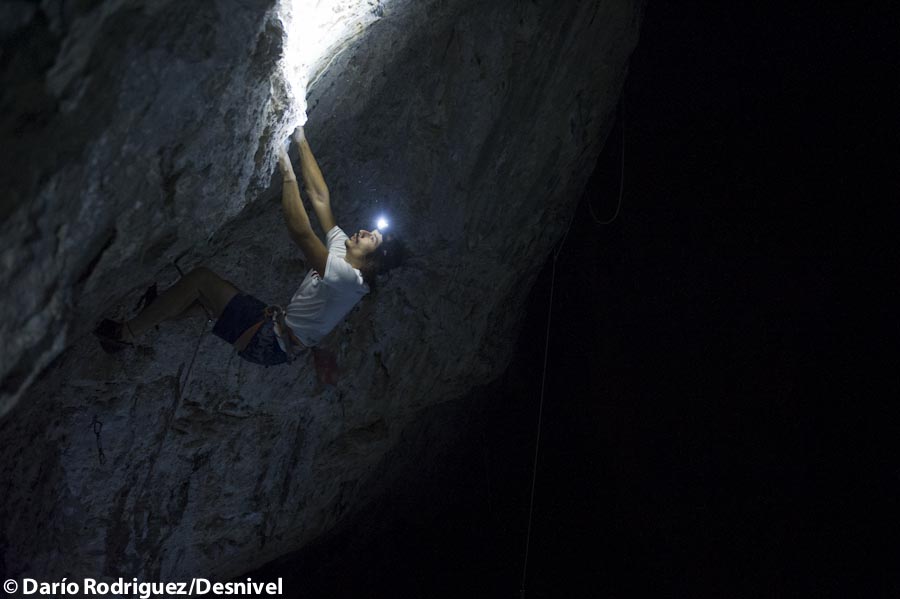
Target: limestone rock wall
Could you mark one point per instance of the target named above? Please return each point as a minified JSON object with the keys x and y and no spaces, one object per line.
{"x":144,"y":132}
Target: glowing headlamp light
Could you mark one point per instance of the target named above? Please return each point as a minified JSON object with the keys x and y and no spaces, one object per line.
{"x":382,"y":223}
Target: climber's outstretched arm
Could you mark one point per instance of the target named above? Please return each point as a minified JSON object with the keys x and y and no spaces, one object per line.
{"x":314,"y":182}
{"x":298,"y":220}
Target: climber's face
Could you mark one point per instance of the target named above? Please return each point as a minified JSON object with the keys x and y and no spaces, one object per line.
{"x":363,"y":243}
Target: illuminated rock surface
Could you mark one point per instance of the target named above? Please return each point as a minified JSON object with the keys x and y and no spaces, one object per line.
{"x":138,"y":133}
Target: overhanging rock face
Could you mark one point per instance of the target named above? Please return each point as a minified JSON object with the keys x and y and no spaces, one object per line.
{"x":145,"y":132}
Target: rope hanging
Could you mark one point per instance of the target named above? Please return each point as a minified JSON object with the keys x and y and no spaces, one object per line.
{"x":537,"y":443}
{"x":621,"y":173}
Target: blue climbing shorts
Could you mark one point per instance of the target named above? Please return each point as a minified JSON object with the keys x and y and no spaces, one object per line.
{"x":241,"y":313}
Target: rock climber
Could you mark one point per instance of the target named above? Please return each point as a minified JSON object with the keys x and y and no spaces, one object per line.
{"x":342,"y":271}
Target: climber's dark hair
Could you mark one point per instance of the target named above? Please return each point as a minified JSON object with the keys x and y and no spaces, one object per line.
{"x":390,"y":254}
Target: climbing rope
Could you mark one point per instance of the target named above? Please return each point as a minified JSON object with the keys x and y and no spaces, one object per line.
{"x":187,"y":374}
{"x":537,"y":442}
{"x":621,"y":172}
{"x":209,"y":318}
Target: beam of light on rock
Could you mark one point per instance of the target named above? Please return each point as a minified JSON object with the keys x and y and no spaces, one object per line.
{"x":316,"y":32}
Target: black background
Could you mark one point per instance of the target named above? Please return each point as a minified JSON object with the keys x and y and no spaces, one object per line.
{"x":718,"y":418}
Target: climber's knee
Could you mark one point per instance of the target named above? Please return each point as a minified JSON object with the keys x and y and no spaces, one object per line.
{"x":201,"y":274}
{"x":213,"y":291}
{"x":204,"y":280}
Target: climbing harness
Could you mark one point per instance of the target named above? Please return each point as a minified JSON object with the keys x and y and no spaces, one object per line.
{"x":289,"y":342}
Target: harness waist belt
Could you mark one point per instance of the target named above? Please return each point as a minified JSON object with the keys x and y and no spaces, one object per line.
{"x":289,"y":341}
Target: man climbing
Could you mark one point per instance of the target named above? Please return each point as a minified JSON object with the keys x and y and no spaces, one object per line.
{"x":342,"y":270}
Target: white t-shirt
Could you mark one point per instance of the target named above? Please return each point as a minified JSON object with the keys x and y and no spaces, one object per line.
{"x":322,"y":302}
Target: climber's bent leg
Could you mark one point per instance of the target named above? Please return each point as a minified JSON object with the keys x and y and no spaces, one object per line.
{"x":195,"y":310}
{"x":200,"y":285}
